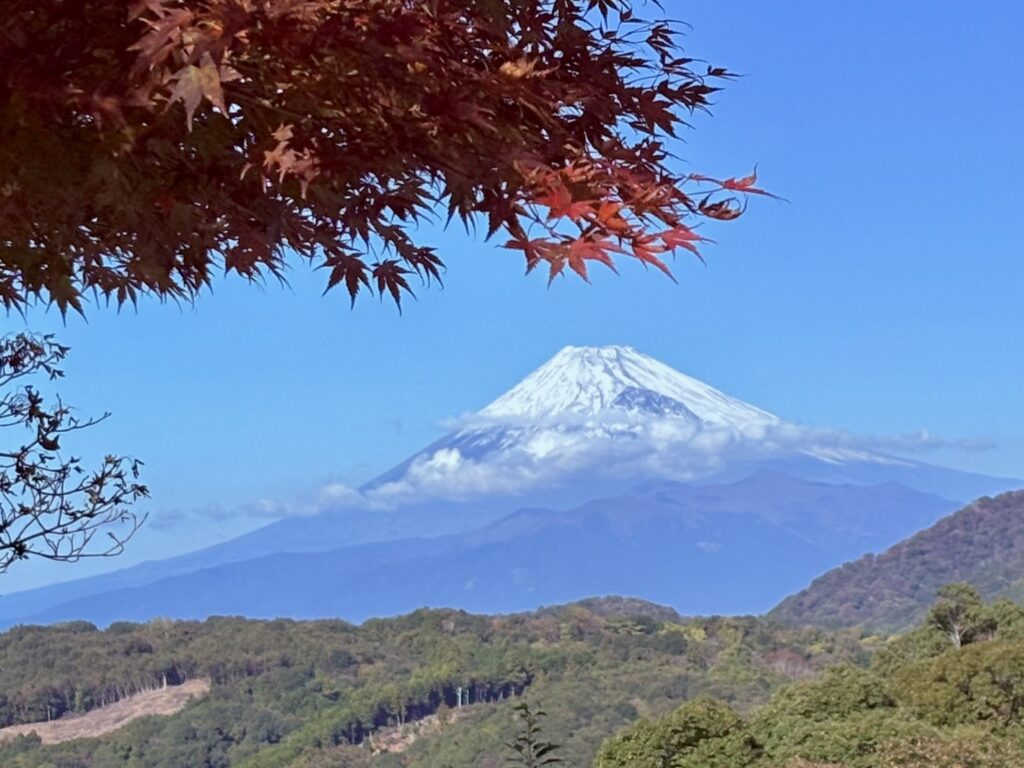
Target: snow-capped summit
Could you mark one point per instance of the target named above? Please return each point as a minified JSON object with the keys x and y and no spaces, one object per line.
{"x":601,"y":419}
{"x":587,"y":412}
{"x":586,"y":381}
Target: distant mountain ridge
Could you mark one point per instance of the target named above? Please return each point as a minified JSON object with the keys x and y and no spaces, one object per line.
{"x":604,"y":428}
{"x":982,"y":543}
{"x":691,"y":547}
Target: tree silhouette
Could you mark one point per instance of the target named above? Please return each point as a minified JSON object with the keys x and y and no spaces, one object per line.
{"x":51,"y":507}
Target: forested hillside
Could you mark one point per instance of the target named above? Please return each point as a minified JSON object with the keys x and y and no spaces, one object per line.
{"x":949,"y":694}
{"x":982,"y":544}
{"x":626,"y":684}
{"x":312,"y":694}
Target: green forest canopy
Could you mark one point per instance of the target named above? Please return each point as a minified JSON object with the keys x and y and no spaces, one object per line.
{"x":660,"y":691}
{"x":286,"y":692}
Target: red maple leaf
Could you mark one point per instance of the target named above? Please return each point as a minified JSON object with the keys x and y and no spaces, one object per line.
{"x":645,"y":248}
{"x":746,"y":185}
{"x":348,"y":268}
{"x":390,"y":277}
{"x":609,"y":216}
{"x":682,"y":236}
{"x":561,"y":204}
{"x":535,"y":250}
{"x":583,"y":250}
{"x":723,"y":210}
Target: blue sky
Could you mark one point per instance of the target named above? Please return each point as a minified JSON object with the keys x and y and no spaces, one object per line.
{"x":883,"y":298}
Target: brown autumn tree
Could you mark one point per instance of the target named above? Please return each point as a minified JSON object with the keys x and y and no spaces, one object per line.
{"x":146,"y":145}
{"x":51,"y":507}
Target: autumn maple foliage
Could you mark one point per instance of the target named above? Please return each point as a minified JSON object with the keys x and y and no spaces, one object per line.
{"x":146,"y":146}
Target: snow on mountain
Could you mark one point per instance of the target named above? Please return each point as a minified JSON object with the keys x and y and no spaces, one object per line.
{"x":586,"y":381}
{"x":598,"y":419}
{"x":605,"y":429}
{"x":594,"y":412}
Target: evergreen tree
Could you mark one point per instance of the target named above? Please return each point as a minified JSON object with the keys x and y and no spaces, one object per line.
{"x":531,"y":749}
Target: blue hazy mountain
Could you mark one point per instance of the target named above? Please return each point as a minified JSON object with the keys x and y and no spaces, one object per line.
{"x":593,"y":423}
{"x":716,"y":548}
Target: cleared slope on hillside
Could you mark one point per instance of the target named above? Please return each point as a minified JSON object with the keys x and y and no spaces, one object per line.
{"x":165,"y":701}
{"x":982,"y":544}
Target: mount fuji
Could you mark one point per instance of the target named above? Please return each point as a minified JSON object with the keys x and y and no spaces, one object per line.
{"x":610,"y":416}
{"x":590,"y":410}
{"x":587,"y":381}
{"x":603,"y":454}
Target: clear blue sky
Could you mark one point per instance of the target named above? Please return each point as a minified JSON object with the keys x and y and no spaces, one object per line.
{"x":884,"y":298}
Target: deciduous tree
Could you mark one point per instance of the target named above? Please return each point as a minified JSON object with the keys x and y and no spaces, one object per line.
{"x":147,"y":144}
{"x":51,"y":507}
{"x":960,"y":613}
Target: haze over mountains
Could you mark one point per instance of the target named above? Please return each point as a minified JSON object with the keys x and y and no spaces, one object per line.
{"x":693,"y":547}
{"x":604,"y":471}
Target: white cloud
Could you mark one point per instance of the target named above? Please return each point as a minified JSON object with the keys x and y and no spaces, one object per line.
{"x":339,"y":494}
{"x":537,"y":454}
{"x":529,"y":455}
